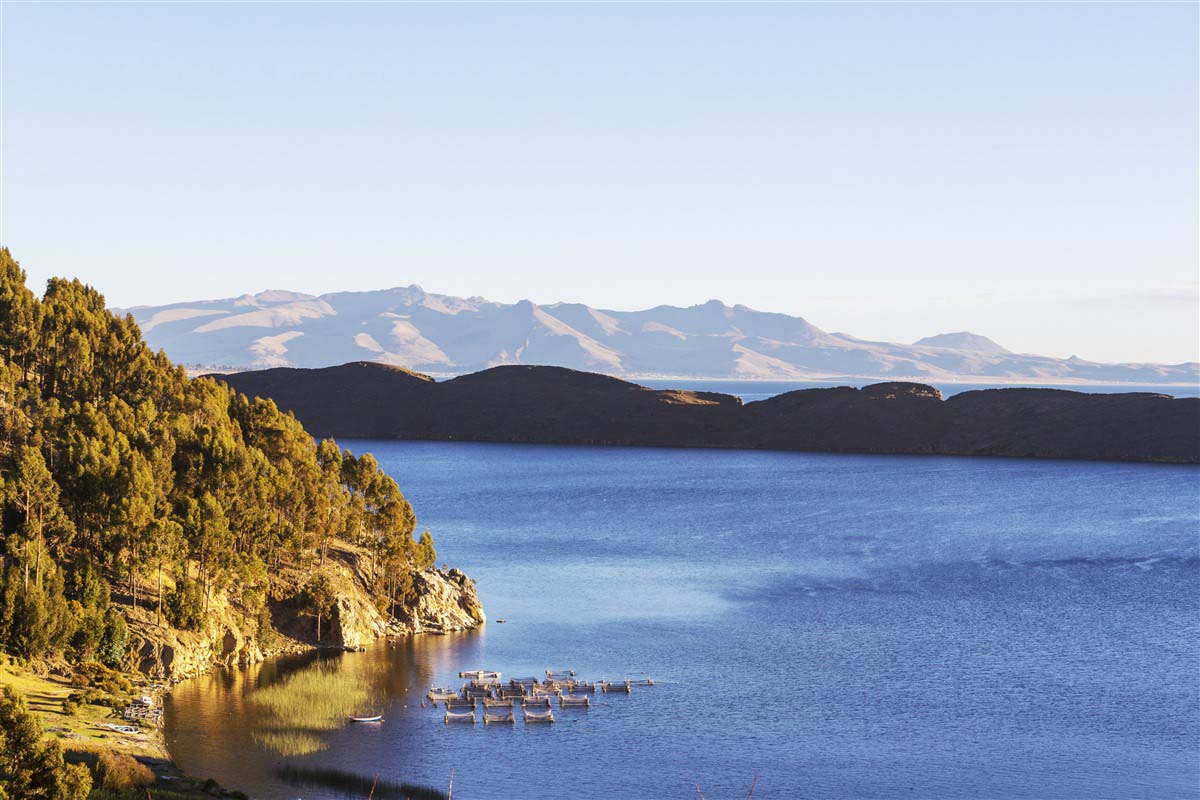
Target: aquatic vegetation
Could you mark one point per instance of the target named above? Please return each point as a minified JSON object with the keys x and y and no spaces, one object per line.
{"x":298,"y":709}
{"x":357,"y":786}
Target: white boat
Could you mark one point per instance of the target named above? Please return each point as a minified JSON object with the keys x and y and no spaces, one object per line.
{"x":376,"y":718}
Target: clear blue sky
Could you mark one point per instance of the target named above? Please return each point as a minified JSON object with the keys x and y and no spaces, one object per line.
{"x":1027,"y":171}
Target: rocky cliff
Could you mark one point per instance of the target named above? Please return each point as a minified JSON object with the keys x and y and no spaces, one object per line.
{"x":442,"y":602}
{"x":562,"y":406}
{"x":168,"y":654}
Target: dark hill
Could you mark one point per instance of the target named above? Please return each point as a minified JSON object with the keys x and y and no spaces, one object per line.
{"x":562,"y":406}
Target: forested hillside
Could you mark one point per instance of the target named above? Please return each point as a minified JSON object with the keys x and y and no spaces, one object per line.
{"x":127,"y":488}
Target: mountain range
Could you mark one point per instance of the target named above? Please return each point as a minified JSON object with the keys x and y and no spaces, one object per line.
{"x":445,"y":335}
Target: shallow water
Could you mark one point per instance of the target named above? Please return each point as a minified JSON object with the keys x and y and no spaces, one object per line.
{"x":841,"y":625}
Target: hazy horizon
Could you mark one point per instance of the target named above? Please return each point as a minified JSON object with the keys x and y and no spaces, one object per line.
{"x":894,"y":171}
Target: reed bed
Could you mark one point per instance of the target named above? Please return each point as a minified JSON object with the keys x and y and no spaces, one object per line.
{"x":348,"y":784}
{"x":304,"y":705}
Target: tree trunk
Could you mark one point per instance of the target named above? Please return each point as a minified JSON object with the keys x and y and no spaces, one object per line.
{"x":133,"y":575}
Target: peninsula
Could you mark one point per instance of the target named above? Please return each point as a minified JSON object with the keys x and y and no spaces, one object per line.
{"x":155,"y":526}
{"x":531,"y":404}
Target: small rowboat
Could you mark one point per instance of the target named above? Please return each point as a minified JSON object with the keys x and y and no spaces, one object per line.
{"x":376,"y":718}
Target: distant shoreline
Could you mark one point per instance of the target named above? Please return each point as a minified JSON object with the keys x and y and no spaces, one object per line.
{"x":553,"y":405}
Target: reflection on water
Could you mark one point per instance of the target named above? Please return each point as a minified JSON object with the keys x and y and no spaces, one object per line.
{"x":844,"y":626}
{"x":276,"y":713}
{"x":293,"y":712}
{"x":348,"y":784}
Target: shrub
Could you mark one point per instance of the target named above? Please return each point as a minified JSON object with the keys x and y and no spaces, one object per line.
{"x":267,"y":635}
{"x":70,"y":707}
{"x":95,"y":675}
{"x":121,"y":771}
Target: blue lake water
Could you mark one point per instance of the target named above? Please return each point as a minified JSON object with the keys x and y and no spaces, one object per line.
{"x":839,"y":625}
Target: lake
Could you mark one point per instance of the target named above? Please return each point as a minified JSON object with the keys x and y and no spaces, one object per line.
{"x":839,"y":625}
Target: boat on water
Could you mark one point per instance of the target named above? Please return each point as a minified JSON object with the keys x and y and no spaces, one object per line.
{"x":376,"y":718}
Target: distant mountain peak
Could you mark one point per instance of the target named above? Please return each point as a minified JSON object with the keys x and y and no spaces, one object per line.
{"x":407,"y":326}
{"x":272,"y":297}
{"x":962,"y":340}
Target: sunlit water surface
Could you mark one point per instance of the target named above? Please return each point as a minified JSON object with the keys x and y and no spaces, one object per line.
{"x":840,"y":625}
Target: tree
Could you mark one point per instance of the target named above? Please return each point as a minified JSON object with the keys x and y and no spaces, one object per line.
{"x":114,"y":641}
{"x":35,"y":494}
{"x":426,"y":553}
{"x":29,"y":633}
{"x":319,"y":598}
{"x":86,"y":584}
{"x":34,"y":769}
{"x":18,"y":314}
{"x":114,"y":463}
{"x":164,"y":545}
{"x":207,"y":533}
{"x":136,"y":513}
{"x":330,"y":497}
{"x":184,"y":606}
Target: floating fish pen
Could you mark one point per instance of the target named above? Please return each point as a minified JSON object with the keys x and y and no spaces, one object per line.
{"x":493,"y":715}
{"x":484,"y":692}
{"x":538,"y":716}
{"x":490,"y":703}
{"x":578,"y":687}
{"x":609,"y":686}
{"x":485,"y":683}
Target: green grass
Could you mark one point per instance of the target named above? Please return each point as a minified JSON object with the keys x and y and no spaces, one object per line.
{"x":44,"y":697}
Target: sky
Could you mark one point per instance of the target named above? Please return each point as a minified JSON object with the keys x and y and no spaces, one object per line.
{"x":1027,"y":171}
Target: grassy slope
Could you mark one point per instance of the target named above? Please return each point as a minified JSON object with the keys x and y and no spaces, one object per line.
{"x":79,"y":732}
{"x":83,"y":741}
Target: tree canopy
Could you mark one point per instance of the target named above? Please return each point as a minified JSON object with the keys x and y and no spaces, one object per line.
{"x":118,"y":472}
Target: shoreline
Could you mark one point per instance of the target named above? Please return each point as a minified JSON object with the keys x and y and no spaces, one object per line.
{"x":93,"y":729}
{"x":550,"y":405}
